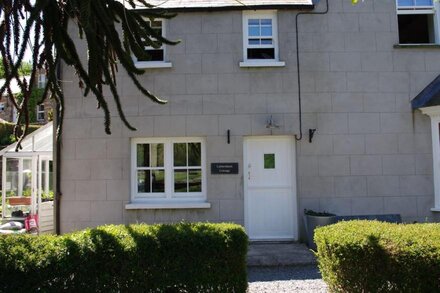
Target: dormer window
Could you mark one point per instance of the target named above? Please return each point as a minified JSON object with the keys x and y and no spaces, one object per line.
{"x":417,"y":21}
{"x":260,"y":39}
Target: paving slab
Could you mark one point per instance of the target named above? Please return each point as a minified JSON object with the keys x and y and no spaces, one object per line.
{"x":279,"y":254}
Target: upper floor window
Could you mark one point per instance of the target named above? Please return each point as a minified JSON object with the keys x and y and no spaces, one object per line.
{"x":41,"y":113}
{"x":168,"y":170}
{"x":2,"y":107}
{"x":41,"y":81}
{"x":260,"y":39}
{"x":155,"y":56}
{"x":417,"y":21}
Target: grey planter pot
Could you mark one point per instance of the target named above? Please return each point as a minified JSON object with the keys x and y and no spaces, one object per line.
{"x":312,"y":222}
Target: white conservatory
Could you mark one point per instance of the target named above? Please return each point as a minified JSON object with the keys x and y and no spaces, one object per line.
{"x":27,"y":179}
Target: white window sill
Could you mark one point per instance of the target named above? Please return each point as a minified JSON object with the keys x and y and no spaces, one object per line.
{"x":246,"y":64}
{"x":416,"y":46}
{"x":153,"y":64}
{"x":436,"y":210}
{"x":168,"y":206}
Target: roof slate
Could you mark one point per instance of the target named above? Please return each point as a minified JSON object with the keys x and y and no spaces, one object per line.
{"x":218,"y":4}
{"x":429,"y":96}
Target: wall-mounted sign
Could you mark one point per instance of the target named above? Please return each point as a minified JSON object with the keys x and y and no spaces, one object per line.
{"x":224,"y":168}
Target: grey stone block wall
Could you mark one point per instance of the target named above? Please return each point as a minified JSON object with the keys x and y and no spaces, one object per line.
{"x":371,"y":154}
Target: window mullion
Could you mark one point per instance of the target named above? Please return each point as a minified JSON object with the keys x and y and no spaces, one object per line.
{"x":169,"y":177}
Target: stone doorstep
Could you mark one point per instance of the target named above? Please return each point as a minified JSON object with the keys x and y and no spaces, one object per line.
{"x":279,"y":254}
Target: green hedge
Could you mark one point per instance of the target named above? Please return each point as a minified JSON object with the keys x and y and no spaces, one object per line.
{"x":138,"y":258}
{"x":371,"y":256}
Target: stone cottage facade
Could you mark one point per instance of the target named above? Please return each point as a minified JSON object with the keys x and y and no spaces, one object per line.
{"x":225,"y":146}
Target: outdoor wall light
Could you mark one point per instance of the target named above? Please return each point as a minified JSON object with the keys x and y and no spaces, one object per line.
{"x":271,"y":124}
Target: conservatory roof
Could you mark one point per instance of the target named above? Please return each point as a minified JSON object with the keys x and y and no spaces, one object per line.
{"x":39,"y":141}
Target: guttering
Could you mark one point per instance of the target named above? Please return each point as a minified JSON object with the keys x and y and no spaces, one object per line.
{"x":231,"y":8}
{"x":299,"y":137}
{"x":57,"y":158}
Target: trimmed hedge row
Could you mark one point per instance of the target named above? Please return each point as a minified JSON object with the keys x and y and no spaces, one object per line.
{"x":138,"y":258}
{"x":371,"y":256}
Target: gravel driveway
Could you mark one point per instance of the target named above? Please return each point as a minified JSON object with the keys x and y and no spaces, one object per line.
{"x":285,"y":279}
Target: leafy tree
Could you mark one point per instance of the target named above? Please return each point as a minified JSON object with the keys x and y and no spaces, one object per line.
{"x":97,"y":22}
{"x":25,"y":69}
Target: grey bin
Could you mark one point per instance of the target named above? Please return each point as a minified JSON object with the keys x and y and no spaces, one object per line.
{"x":312,"y":222}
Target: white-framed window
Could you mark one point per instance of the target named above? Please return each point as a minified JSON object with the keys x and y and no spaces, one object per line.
{"x":156,"y":56}
{"x":41,"y":113}
{"x":260,"y":38}
{"x":168,"y":170}
{"x":41,"y":81}
{"x":2,"y":107}
{"x":418,"y":21}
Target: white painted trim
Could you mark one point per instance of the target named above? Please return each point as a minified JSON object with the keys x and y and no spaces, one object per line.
{"x":262,"y":63}
{"x":167,"y":205}
{"x":406,"y":10}
{"x":156,"y":64}
{"x":169,"y":195}
{"x":435,"y":210}
{"x":434,"y":114}
{"x":294,"y":187}
{"x":272,"y":14}
{"x":153,"y":64}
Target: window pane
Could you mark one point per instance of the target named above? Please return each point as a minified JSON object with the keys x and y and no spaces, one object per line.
{"x":194,"y":154}
{"x":143,"y":180}
{"x":266,"y":21}
{"x":266,"y":31}
{"x":253,"y":22}
{"x":254,"y":31}
{"x":158,"y":181}
{"x":152,"y":55}
{"x":268,"y":53}
{"x":266,"y":41}
{"x":180,"y":181}
{"x":269,"y":161}
{"x":179,"y":154}
{"x":157,"y":155}
{"x":143,"y":155}
{"x":195,"y":180}
{"x":415,"y":28}
{"x":254,"y":41}
{"x":27,"y":177}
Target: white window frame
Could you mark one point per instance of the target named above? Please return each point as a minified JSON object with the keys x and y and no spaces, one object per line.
{"x":260,"y":14}
{"x":39,"y":111}
{"x":434,"y":114}
{"x":168,"y":199}
{"x":156,"y":64}
{"x":41,"y":81}
{"x":406,"y":10}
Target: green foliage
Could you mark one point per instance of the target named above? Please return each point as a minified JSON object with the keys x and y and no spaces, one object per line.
{"x":7,"y":130}
{"x":372,"y":256}
{"x":34,"y":99}
{"x":137,"y":258}
{"x":25,"y":69}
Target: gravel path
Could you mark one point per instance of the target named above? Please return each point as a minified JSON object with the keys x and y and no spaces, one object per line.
{"x":285,"y":279}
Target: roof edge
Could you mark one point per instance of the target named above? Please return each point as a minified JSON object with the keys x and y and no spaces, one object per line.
{"x":30,"y":135}
{"x":232,"y":8}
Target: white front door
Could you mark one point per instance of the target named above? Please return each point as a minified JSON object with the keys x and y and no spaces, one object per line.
{"x":269,"y":188}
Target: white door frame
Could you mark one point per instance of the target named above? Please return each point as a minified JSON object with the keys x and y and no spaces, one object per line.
{"x":294,"y":191}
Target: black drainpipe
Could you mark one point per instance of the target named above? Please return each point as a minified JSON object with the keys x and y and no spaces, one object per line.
{"x":299,"y":137}
{"x":57,"y":161}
